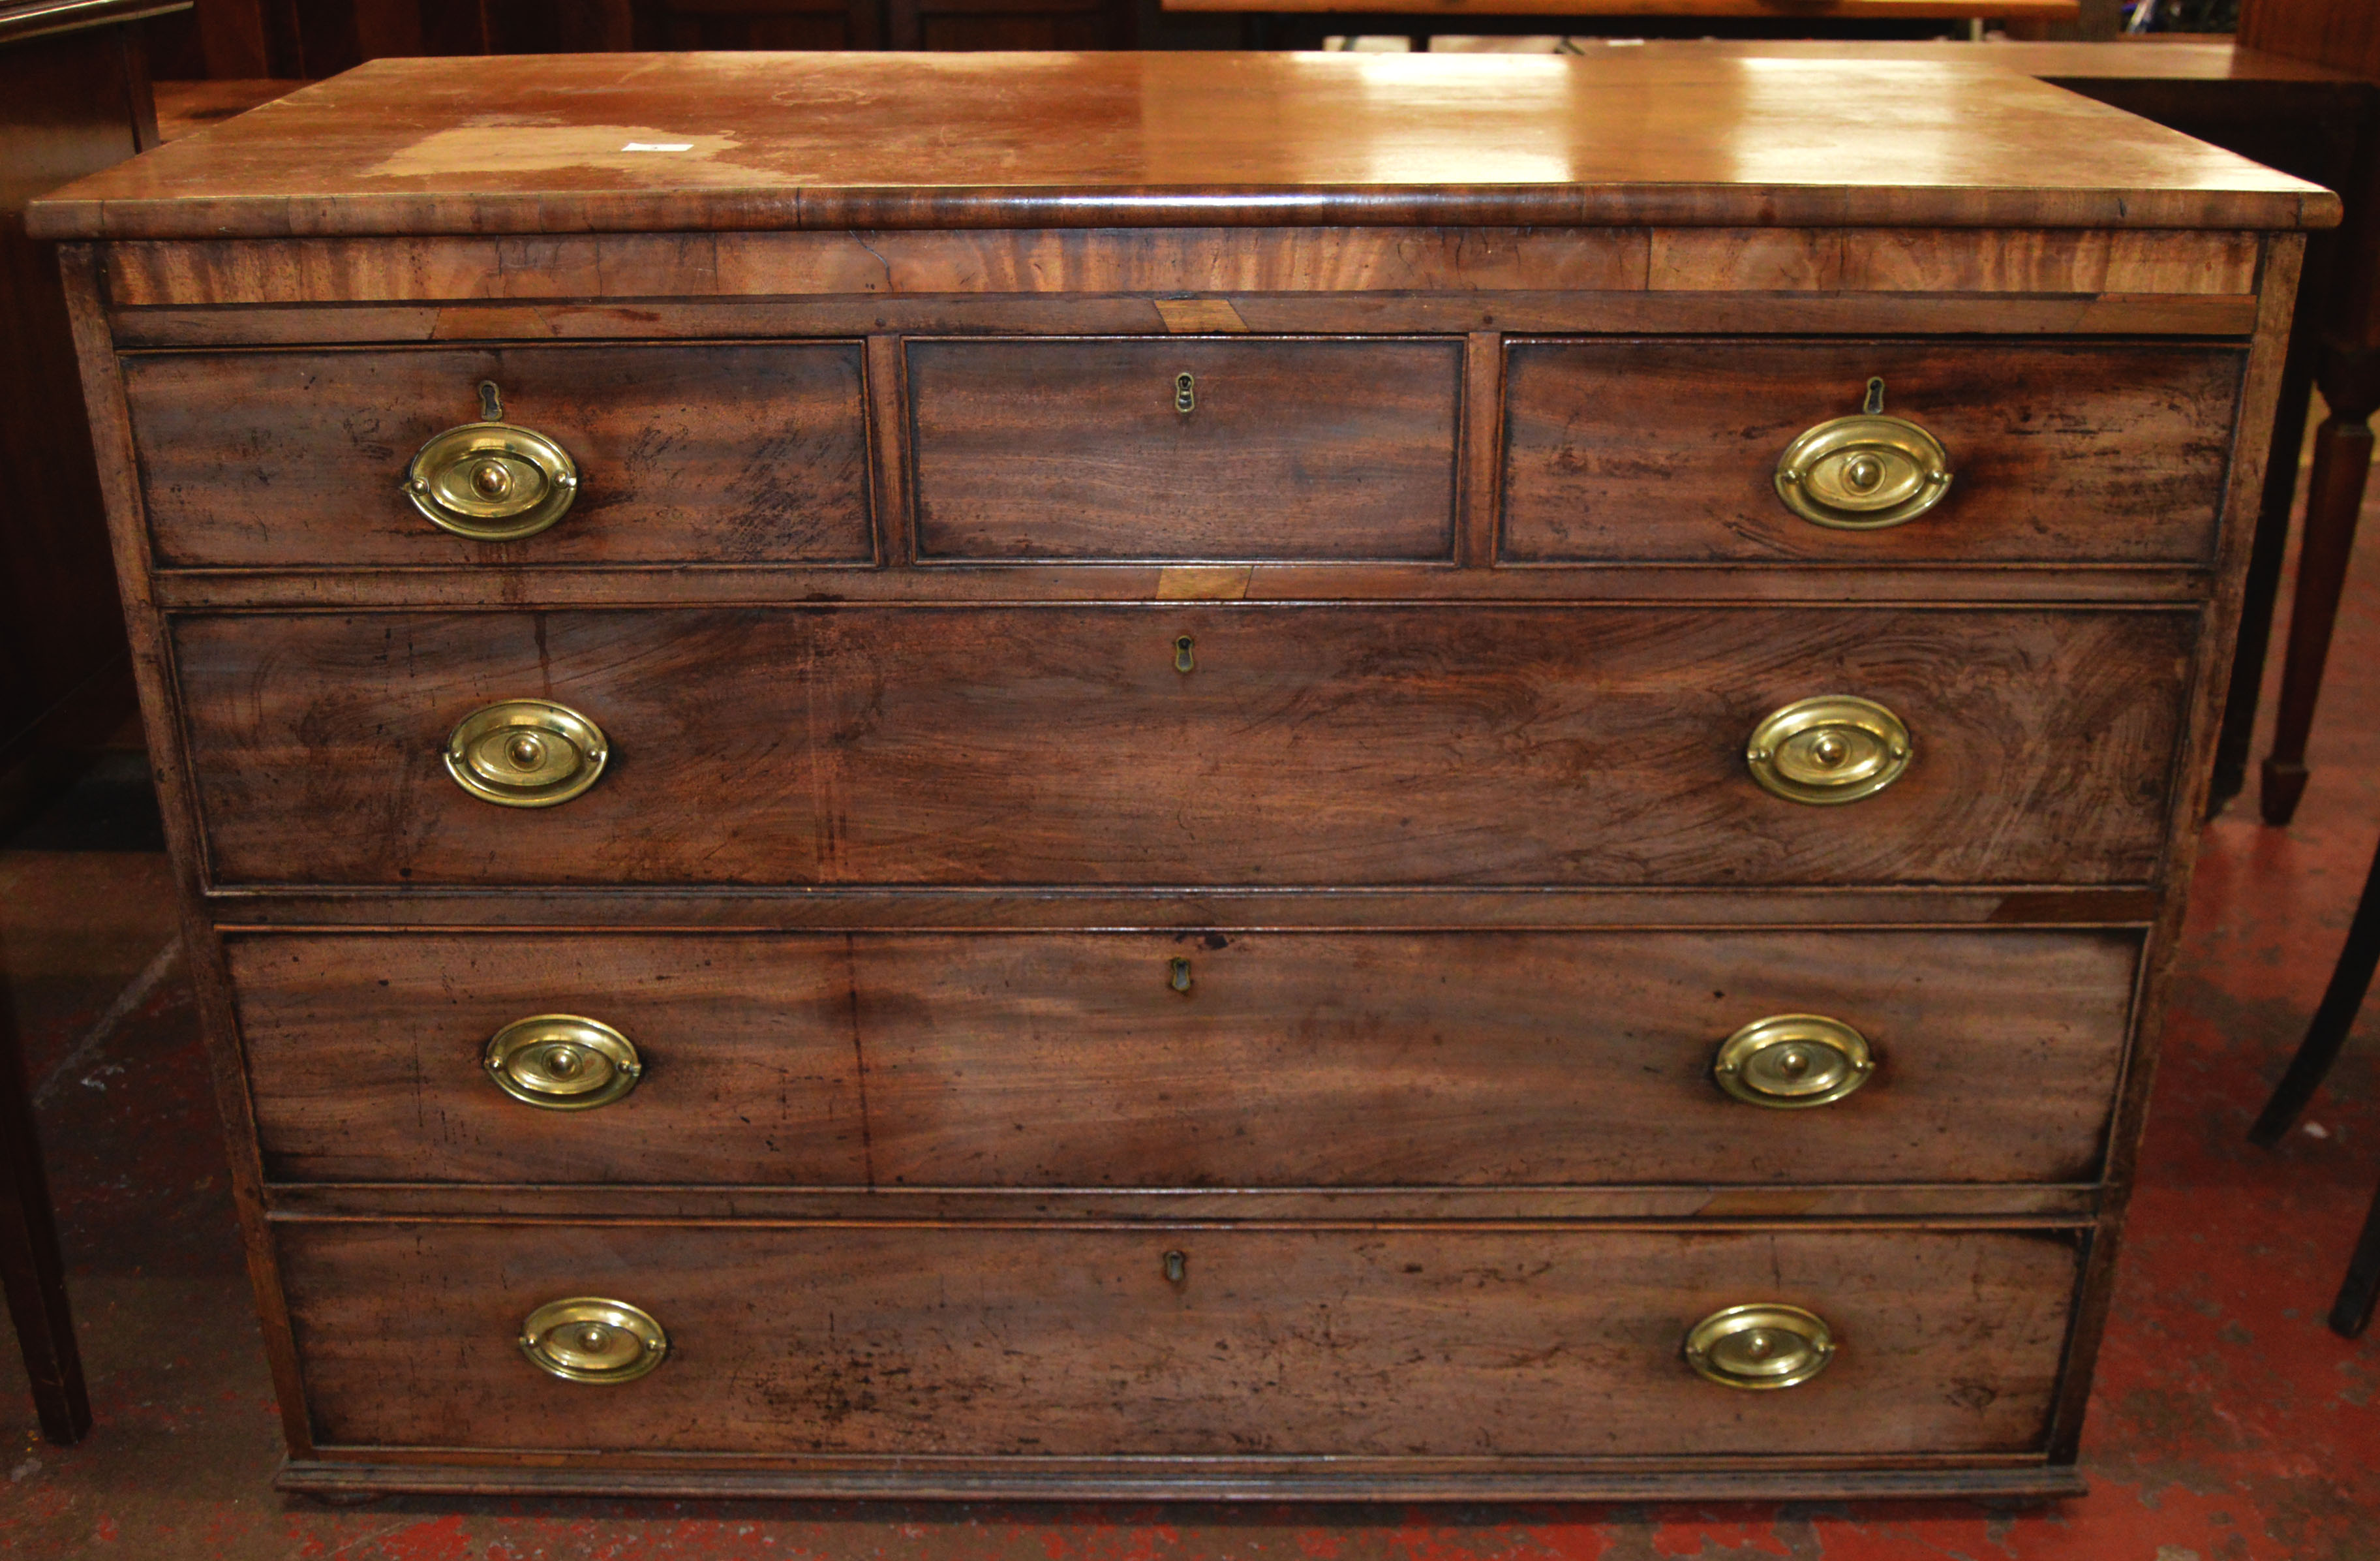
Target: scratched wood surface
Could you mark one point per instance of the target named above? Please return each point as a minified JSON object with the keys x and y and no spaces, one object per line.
{"x":1307,"y":745}
{"x":1665,"y":450}
{"x":1096,"y":449}
{"x":1048,"y":1343}
{"x":721,"y":453}
{"x":559,"y":143}
{"x":1070,"y":1060}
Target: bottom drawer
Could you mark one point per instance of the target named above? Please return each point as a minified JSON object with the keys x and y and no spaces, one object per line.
{"x":1468,"y":1342}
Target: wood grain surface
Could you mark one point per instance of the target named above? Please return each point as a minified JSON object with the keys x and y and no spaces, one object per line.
{"x":996,"y":1060}
{"x":1485,"y":1344}
{"x":1310,"y":746}
{"x":883,"y":265}
{"x":1077,"y":449}
{"x":551,"y":145}
{"x":1666,"y":450}
{"x":720,"y":453}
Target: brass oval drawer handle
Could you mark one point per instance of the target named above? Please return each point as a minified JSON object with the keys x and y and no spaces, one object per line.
{"x":1863,"y":472}
{"x":1833,"y":748}
{"x":560,"y":1062}
{"x":1760,"y":1348}
{"x":588,"y":1339}
{"x":492,"y":480}
{"x":1791,"y":1062}
{"x":526,"y":753}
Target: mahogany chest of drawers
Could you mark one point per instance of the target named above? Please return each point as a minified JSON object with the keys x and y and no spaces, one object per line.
{"x":1220,"y":775}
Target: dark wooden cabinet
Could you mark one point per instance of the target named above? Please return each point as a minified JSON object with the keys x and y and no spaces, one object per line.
{"x":75,"y":83}
{"x":1174,"y":775}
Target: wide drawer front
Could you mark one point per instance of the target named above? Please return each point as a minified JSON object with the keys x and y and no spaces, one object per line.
{"x":711,"y":452}
{"x":1092,"y":449}
{"x":1212,"y":1060}
{"x":1669,"y":451}
{"x":1216,"y":744}
{"x":1429,"y":1343}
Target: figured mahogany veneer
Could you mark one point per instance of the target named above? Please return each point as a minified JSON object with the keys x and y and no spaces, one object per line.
{"x":1433,"y":1059}
{"x":1309,"y":746}
{"x":715,"y":453}
{"x":1177,"y":639}
{"x":1318,"y":1342}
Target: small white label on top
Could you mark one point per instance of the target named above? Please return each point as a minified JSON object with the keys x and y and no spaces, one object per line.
{"x":659,"y":146}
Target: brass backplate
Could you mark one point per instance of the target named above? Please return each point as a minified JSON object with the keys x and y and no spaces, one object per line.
{"x":561,"y":1061}
{"x":1829,"y":749}
{"x":526,"y":753}
{"x":1761,"y":1346}
{"x":1791,"y":1062}
{"x":492,"y":481}
{"x":588,"y":1338}
{"x":1863,"y":473}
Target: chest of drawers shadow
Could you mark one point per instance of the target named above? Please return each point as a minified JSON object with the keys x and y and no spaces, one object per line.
{"x":1182,"y":775}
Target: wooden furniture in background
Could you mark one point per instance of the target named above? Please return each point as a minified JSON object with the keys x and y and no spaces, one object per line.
{"x":75,"y":81}
{"x":1167,"y":865}
{"x":2344,"y":35}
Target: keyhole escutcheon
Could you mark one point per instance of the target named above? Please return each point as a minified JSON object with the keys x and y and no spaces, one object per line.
{"x":1177,"y":974}
{"x":1184,"y":658}
{"x":1177,"y":1267}
{"x":1185,"y":394}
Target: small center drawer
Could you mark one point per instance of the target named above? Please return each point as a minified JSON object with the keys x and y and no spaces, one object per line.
{"x":1390,"y":1343}
{"x":1195,"y":1060}
{"x":1195,"y":448}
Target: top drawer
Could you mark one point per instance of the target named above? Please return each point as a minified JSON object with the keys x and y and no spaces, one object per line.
{"x":709,"y":452}
{"x":1193,"y":449}
{"x":1667,"y":451}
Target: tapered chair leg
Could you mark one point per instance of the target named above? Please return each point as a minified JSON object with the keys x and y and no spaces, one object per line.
{"x":2342,"y":462}
{"x":2332,"y":1019}
{"x":31,"y":1268}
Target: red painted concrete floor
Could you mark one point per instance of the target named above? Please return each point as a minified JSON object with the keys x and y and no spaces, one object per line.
{"x":2229,"y":1423}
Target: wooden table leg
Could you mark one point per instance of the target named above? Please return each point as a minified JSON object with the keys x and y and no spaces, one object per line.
{"x":2262,"y":590}
{"x":31,"y":1268}
{"x":2342,"y":460}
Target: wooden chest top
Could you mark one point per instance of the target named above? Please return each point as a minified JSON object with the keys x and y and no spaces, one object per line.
{"x":613,"y":143}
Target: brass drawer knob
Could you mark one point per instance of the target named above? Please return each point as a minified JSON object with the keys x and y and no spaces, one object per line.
{"x":1791,"y":1062}
{"x":492,"y":480}
{"x":1864,"y":472}
{"x":1760,"y":1348}
{"x":1835,"y":747}
{"x":560,"y":1062}
{"x":526,"y":753}
{"x":588,"y":1339}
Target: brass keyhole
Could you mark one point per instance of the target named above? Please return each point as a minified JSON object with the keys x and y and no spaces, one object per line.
{"x":1873,"y":406}
{"x":1185,"y":394}
{"x":1184,"y":659}
{"x":1177,"y":1266}
{"x":1178,"y":974}
{"x":491,"y":402}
